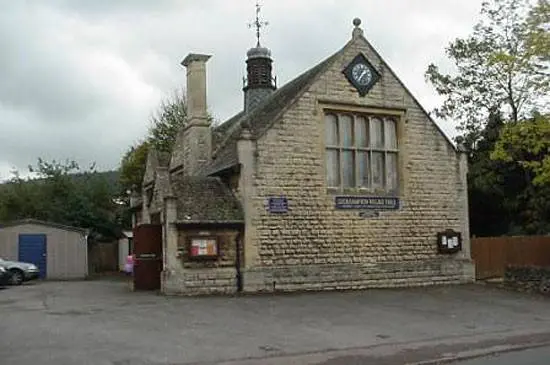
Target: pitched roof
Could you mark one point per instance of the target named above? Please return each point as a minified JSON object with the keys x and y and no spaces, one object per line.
{"x":402,"y":84}
{"x":261,"y":118}
{"x":42,"y":223}
{"x":202,"y":199}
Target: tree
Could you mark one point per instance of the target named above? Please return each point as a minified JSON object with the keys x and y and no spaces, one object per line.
{"x":63,"y":193}
{"x":538,"y":23}
{"x":132,"y":167}
{"x":527,"y":143}
{"x":165,"y":124}
{"x":492,"y":185}
{"x":498,"y":67}
{"x":167,"y":121}
{"x":503,"y":200}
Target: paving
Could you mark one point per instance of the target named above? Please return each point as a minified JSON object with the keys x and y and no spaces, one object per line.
{"x":103,"y":322}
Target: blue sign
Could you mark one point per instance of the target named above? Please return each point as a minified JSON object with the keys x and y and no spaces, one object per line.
{"x":278,"y":204}
{"x":366,"y":202}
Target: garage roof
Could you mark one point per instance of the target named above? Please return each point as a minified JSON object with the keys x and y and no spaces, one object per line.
{"x":43,"y":223}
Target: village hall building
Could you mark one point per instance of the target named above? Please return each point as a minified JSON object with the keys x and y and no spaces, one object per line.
{"x":338,"y":179}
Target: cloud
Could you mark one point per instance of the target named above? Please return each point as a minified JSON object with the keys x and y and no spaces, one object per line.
{"x":80,"y":78}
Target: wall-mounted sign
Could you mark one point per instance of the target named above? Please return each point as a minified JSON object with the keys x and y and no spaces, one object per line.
{"x":366,"y":202}
{"x":449,"y":241}
{"x":146,"y":256}
{"x":277,"y":204}
{"x":203,"y":248}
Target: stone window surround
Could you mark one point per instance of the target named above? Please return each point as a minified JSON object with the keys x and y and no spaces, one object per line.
{"x":328,"y":106}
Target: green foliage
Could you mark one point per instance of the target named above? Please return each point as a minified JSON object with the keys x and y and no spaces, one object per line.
{"x":63,"y":193}
{"x":132,"y":167}
{"x":538,"y":23}
{"x":167,"y":121}
{"x":527,"y":143}
{"x":499,"y":85}
{"x":165,"y":124}
{"x":503,"y":199}
{"x":498,"y":67}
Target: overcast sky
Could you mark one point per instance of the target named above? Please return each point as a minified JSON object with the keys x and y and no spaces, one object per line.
{"x":80,"y":78}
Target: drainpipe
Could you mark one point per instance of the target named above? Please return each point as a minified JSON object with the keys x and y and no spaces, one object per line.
{"x":86,"y":256}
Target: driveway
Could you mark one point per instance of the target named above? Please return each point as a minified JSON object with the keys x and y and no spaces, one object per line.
{"x":102,"y":322}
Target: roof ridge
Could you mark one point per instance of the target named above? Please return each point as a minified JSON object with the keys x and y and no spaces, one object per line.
{"x":408,"y":91}
{"x":317,"y":69}
{"x":18,"y":222}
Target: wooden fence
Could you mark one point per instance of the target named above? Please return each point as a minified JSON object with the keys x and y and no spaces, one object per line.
{"x":493,"y":254}
{"x":102,"y":257}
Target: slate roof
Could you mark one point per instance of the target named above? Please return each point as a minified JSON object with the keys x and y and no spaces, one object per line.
{"x":261,"y":118}
{"x":202,"y":199}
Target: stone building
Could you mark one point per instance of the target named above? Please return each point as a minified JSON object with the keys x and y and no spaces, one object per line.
{"x":337,"y":180}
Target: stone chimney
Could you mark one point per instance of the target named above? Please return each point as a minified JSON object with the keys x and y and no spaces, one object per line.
{"x":197,"y":138}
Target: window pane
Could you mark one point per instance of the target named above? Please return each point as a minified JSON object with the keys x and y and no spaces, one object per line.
{"x":391,"y":172}
{"x":363,"y":170}
{"x":333,"y":168}
{"x":377,"y":169}
{"x":348,"y":169}
{"x":376,"y":133}
{"x":346,"y":124}
{"x":361,"y":132}
{"x":390,"y":133}
{"x":331,"y":130}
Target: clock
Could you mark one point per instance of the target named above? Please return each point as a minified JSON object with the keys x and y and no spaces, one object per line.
{"x":361,"y":74}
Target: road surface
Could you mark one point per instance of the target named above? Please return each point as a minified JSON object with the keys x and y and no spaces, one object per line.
{"x":103,"y":323}
{"x":538,"y":356}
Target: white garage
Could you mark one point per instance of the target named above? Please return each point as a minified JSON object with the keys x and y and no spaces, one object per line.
{"x":60,"y":252}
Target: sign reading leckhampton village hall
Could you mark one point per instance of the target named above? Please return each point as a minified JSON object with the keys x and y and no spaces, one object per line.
{"x":365,"y":202}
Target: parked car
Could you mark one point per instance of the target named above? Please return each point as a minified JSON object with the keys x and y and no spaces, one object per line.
{"x":20,"y":271}
{"x":5,"y":277}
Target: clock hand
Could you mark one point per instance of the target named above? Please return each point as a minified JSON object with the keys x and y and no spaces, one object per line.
{"x":362,"y":74}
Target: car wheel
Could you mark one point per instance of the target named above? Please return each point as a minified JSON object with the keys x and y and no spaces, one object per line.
{"x":16,"y":277}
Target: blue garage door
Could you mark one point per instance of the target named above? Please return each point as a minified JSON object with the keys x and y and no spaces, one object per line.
{"x":32,"y":249}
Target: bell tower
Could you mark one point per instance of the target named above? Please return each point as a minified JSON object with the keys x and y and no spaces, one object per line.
{"x":259,"y":82}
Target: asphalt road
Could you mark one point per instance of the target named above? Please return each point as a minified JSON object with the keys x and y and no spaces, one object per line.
{"x":537,"y":356}
{"x":102,"y":322}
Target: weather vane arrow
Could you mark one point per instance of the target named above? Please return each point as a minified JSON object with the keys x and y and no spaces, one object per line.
{"x":257,"y":23}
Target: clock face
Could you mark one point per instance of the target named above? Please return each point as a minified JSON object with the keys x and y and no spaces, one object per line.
{"x":362,"y":74}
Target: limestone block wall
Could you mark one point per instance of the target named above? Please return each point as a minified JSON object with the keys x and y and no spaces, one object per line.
{"x":161,"y":188}
{"x":314,"y":245}
{"x":204,"y":277}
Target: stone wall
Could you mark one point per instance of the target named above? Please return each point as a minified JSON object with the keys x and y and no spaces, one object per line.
{"x":315,"y":245}
{"x":161,"y":188}
{"x":346,"y":276}
{"x":204,"y":277}
{"x":528,"y":279}
{"x":199,"y":281}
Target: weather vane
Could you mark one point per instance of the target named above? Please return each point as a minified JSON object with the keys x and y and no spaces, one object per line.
{"x":258,"y":24}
